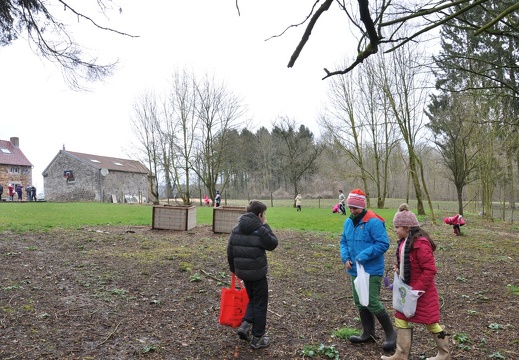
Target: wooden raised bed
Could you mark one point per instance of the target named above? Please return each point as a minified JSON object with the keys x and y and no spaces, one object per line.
{"x":174,"y":217}
{"x":226,"y":217}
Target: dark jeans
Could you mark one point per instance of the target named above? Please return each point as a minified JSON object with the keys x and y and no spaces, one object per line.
{"x":343,"y":209}
{"x":258,"y":292}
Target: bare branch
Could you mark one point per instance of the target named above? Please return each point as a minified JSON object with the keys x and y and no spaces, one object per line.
{"x":296,"y":25}
{"x":372,"y":46}
{"x":306,"y":36}
{"x":375,"y":37}
{"x":80,"y":15}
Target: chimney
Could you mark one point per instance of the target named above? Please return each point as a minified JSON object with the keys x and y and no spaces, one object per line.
{"x":15,"y":141}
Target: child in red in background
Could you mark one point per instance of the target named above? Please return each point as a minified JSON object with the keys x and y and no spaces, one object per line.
{"x":456,"y":221}
{"x":11,"y":192}
{"x":206,"y":200}
{"x":335,"y":208}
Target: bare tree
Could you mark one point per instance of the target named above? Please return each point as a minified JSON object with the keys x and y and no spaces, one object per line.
{"x":359,"y":124}
{"x":181,"y":126}
{"x":405,"y":88}
{"x":297,"y":152}
{"x":218,"y":111}
{"x":52,"y":38}
{"x":375,"y":110}
{"x":345,"y":127}
{"x":145,"y":124}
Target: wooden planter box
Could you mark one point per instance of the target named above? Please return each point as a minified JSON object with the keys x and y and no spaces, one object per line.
{"x":174,"y":217}
{"x":226,"y":217}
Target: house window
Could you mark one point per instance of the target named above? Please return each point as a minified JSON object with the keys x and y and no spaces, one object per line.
{"x":95,"y":161}
{"x":69,"y":175}
{"x":118,"y":163}
{"x":5,"y":151}
{"x":14,"y":169}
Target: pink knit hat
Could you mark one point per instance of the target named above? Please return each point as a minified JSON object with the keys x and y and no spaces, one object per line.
{"x":404,"y":217}
{"x":357,"y":199}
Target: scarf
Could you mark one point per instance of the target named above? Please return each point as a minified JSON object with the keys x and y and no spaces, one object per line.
{"x":402,"y":256}
{"x":356,"y":219}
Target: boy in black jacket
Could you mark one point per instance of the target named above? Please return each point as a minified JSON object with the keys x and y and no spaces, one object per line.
{"x":246,"y":253}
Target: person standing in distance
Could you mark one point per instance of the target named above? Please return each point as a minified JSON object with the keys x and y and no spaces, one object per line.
{"x":365,"y":241}
{"x":298,"y":202}
{"x":10,"y":188}
{"x":217,"y":199}
{"x":342,"y":197}
{"x":246,"y":254}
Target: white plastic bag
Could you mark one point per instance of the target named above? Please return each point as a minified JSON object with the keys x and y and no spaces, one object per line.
{"x":361,"y":283}
{"x":404,"y":297}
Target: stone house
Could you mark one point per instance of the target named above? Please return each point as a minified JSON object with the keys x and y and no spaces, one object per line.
{"x":73,"y":176}
{"x":15,"y":168}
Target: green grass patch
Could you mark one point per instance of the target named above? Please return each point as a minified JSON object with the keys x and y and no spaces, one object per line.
{"x":43,"y":216}
{"x":345,"y":333}
{"x":513,"y":289}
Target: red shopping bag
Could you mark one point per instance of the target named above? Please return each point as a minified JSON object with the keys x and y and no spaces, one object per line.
{"x":233,"y":304}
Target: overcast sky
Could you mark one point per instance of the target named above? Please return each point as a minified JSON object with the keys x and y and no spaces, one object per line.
{"x":205,"y":36}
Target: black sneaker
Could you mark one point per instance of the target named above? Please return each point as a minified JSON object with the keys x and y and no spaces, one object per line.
{"x":244,"y":331}
{"x":259,"y":342}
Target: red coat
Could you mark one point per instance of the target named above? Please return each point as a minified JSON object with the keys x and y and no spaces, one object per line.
{"x":423,"y":270}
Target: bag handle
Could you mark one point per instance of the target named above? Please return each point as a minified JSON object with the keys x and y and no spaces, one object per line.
{"x":233,"y":282}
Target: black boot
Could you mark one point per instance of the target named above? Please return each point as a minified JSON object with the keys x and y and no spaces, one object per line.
{"x":259,"y":342}
{"x":244,"y":330}
{"x":384,"y":320}
{"x":368,"y":327}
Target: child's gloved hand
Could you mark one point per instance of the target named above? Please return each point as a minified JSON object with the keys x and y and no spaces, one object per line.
{"x":387,"y":283}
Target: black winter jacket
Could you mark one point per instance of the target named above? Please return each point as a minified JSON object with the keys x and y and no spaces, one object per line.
{"x":246,"y":248}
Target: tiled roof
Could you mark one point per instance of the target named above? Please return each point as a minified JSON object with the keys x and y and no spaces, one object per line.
{"x":110,"y":163}
{"x":13,"y":155}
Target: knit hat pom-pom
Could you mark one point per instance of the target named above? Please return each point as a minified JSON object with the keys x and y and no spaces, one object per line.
{"x":403,"y":207}
{"x":405,"y":218}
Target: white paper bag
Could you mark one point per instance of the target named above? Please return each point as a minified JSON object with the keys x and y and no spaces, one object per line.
{"x":362,"y":285}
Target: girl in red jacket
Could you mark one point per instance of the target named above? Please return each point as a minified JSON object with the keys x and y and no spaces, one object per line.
{"x":416,"y":267}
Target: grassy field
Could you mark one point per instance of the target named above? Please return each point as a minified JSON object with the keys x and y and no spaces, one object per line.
{"x":20,"y":217}
{"x":316,"y":214}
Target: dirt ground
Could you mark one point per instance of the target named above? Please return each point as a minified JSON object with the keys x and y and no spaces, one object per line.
{"x":138,"y":293}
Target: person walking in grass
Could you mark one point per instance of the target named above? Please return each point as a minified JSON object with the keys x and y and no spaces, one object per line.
{"x":364,"y":241}
{"x":298,"y":202}
{"x":342,"y":198}
{"x":246,"y":254}
{"x":415,"y":265}
{"x":217,"y":199}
